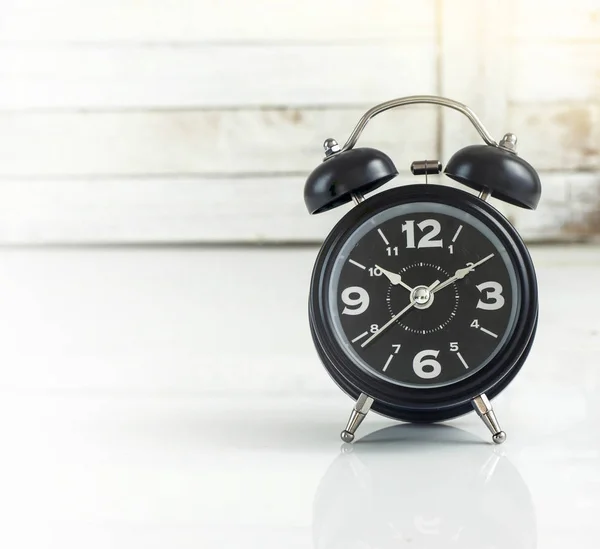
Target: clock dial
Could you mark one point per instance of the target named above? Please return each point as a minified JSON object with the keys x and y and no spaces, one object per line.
{"x":422,"y":295}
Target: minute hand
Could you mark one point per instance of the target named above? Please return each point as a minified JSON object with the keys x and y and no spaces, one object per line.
{"x":461,"y":273}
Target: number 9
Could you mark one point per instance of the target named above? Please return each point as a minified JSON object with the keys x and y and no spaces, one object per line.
{"x":356,"y":300}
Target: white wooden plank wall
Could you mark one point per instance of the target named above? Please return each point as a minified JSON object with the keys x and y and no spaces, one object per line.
{"x":198,"y":120}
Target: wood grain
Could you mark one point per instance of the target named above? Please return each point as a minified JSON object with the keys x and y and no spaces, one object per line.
{"x":139,"y":77}
{"x":215,"y":20}
{"x":197,"y":120}
{"x":577,"y":20}
{"x":474,"y":75}
{"x":552,"y":137}
{"x":568,"y":209}
{"x":200,"y":142}
{"x":242,"y":209}
{"x":564,"y":136}
{"x":552,"y":72}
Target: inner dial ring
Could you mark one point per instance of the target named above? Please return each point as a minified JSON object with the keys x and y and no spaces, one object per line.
{"x":437,"y":312}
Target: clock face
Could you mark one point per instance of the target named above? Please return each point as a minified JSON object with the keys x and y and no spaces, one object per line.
{"x":422,"y":295}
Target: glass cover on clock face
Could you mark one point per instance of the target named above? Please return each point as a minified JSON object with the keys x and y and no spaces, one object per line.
{"x":422,"y":295}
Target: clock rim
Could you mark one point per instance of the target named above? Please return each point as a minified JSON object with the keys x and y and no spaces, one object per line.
{"x":425,"y":403}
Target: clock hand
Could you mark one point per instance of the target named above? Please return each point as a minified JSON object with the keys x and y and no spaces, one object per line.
{"x":461,"y":273}
{"x":396,"y":317}
{"x":394,"y":278}
{"x":388,"y":324}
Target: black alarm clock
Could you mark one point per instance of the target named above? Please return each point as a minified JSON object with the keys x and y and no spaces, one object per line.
{"x":423,"y":300}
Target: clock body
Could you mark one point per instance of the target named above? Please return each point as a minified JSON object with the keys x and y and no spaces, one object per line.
{"x":423,"y":297}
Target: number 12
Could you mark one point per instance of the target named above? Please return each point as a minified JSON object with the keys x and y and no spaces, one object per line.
{"x":427,"y":240}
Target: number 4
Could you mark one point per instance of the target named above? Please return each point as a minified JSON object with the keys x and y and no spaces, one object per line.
{"x":475,"y":324}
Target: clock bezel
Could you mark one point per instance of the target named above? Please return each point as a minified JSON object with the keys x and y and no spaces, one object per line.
{"x":435,"y":403}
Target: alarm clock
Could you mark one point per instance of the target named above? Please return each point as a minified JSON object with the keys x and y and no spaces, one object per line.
{"x":423,"y":300}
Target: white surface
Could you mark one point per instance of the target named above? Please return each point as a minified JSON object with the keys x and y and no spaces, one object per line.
{"x":108,"y":109}
{"x":173,"y":399}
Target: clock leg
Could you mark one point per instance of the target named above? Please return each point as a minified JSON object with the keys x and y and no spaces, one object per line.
{"x":360,"y":410}
{"x":485,"y":411}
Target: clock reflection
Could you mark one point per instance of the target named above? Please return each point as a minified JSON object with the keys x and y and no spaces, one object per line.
{"x":424,"y":487}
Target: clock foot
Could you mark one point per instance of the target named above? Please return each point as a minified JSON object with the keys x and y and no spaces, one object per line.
{"x":360,"y":410}
{"x":485,"y":411}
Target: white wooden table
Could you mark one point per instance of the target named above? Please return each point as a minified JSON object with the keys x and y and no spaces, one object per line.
{"x":172,"y":398}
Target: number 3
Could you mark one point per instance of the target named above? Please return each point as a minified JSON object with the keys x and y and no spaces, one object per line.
{"x":493,"y":291}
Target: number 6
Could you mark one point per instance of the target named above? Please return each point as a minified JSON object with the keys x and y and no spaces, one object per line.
{"x":420,"y":362}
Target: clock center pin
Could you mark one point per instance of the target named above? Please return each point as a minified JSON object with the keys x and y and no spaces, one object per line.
{"x":422,"y":297}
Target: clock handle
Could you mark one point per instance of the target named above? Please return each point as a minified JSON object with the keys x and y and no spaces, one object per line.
{"x":413,"y":100}
{"x":348,"y":174}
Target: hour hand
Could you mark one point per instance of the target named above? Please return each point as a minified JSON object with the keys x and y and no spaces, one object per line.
{"x":461,"y":273}
{"x":394,"y":278}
